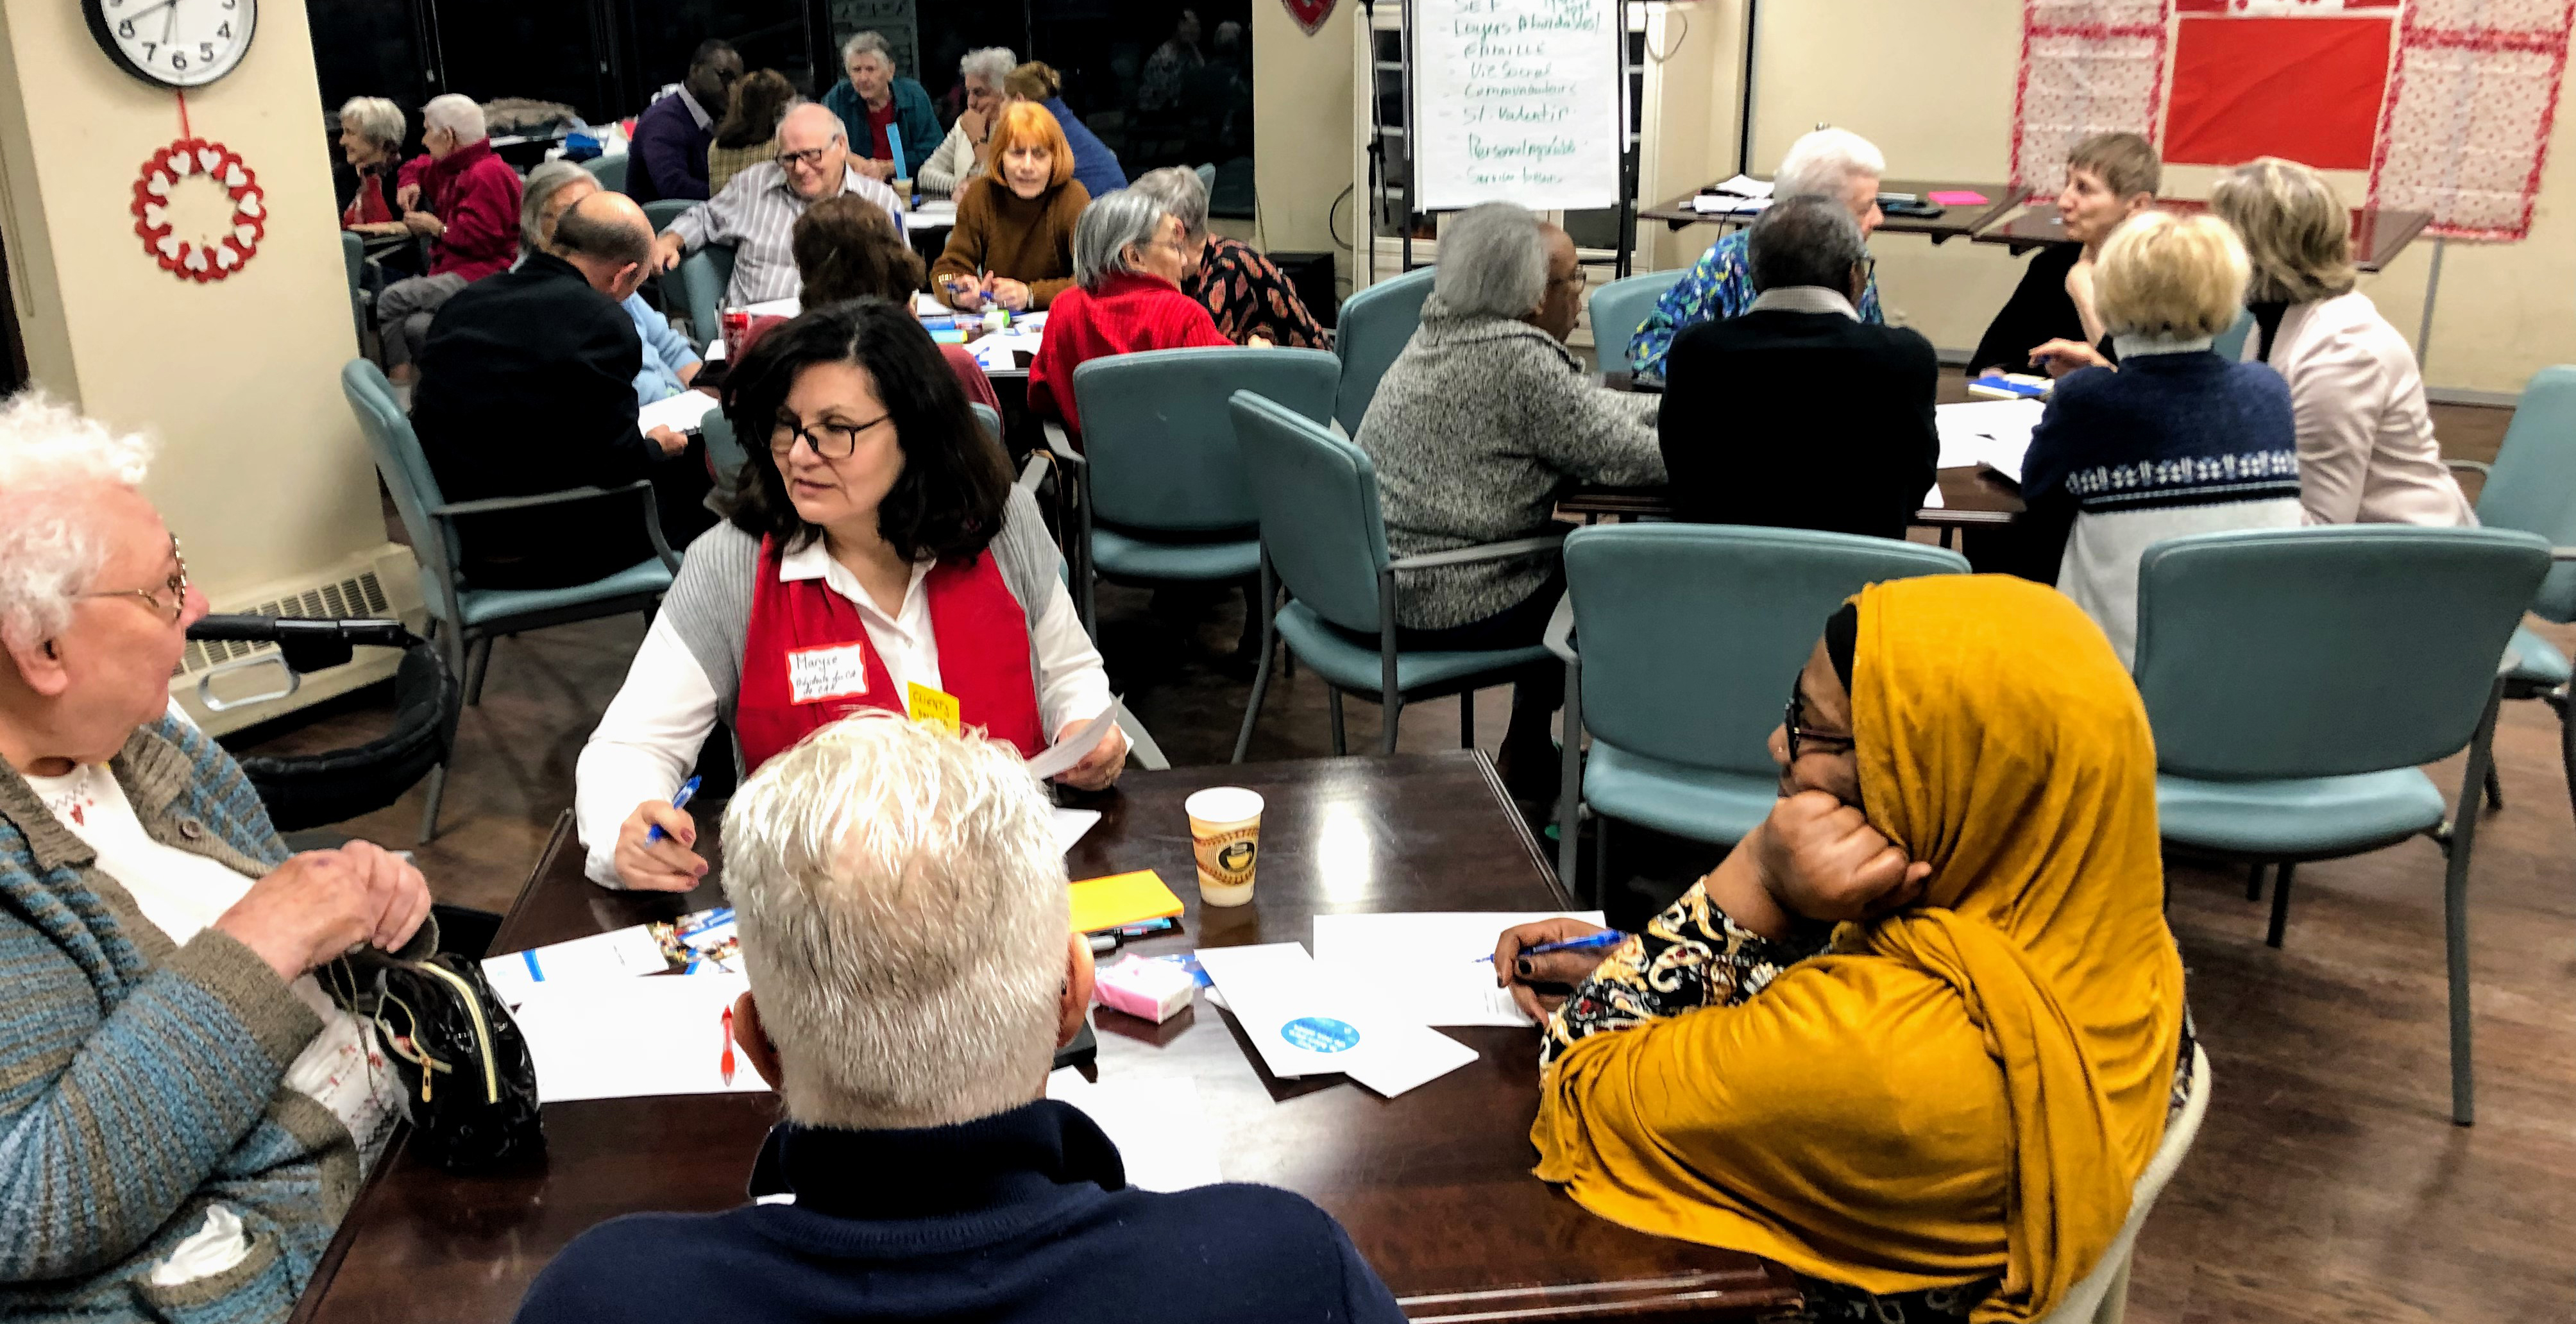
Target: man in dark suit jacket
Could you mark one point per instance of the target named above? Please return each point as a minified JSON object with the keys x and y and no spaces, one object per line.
{"x":1797,"y":414}
{"x":527,"y":385}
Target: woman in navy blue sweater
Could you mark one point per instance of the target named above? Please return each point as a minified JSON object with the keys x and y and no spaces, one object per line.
{"x":2175,"y":440}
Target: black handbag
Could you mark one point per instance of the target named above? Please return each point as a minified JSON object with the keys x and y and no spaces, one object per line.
{"x":469,"y":1086}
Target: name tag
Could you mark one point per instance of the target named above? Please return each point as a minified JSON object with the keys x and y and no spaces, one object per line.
{"x":937,"y":707}
{"x":817,"y":674}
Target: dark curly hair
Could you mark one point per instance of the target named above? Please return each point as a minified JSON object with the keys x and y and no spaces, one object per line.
{"x":949,"y":499}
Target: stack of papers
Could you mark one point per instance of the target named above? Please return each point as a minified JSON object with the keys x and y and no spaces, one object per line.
{"x":1306,"y":1023}
{"x":1426,"y":965}
{"x":680,"y":413}
{"x":1164,"y":1137}
{"x":702,"y":942}
{"x":1992,"y":433}
{"x":630,"y":1038}
{"x":1126,"y":898}
{"x":1740,"y":196}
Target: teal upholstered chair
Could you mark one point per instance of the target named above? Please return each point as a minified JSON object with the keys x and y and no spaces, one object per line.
{"x":610,"y":171}
{"x":2230,"y":344}
{"x":2297,"y":678}
{"x":1690,"y":637}
{"x":467,"y":619}
{"x":353,"y":255}
{"x":725,"y":456}
{"x":662,"y":211}
{"x":2532,"y":487}
{"x":1322,"y":537}
{"x":1373,"y":328}
{"x":1619,"y":308}
{"x":702,"y":277}
{"x":1158,"y":489}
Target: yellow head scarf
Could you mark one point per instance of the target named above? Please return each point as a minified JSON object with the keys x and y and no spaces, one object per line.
{"x":1970,"y":1087}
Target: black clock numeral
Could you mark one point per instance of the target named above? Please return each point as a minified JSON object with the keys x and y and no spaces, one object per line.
{"x":149,"y":47}
{"x":125,"y":29}
{"x":206,"y":51}
{"x":178,"y":59}
{"x":225,"y":32}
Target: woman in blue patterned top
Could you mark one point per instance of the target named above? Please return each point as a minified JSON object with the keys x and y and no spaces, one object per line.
{"x":1834,"y":162}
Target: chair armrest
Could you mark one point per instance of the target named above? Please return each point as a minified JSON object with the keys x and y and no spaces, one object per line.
{"x":1492,"y":551}
{"x":1061,"y":445}
{"x":2562,"y":553}
{"x":1560,"y":630}
{"x":494,"y":505}
{"x":1033,"y":473}
{"x":2478,"y":467}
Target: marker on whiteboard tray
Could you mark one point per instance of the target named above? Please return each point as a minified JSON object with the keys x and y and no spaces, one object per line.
{"x":679,"y":800}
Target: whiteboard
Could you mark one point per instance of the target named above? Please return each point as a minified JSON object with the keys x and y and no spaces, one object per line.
{"x":1516,"y":101}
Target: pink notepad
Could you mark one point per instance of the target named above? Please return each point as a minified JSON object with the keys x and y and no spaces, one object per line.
{"x":1956,"y":197}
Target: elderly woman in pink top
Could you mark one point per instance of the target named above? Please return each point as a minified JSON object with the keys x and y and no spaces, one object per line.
{"x":2366,"y":448}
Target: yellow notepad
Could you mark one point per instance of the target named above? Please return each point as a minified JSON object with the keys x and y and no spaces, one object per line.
{"x":1122,"y":898}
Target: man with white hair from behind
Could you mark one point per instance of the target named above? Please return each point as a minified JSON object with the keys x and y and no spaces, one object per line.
{"x":913,"y":968}
{"x":1837,"y":163}
{"x":465,"y":200}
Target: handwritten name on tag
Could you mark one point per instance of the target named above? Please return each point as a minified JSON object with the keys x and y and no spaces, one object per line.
{"x":817,"y":674}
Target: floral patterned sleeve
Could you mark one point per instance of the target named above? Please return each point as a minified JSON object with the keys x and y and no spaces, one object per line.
{"x":1692,"y":955}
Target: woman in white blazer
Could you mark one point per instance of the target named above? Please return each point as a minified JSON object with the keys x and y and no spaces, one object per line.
{"x":2366,"y":449}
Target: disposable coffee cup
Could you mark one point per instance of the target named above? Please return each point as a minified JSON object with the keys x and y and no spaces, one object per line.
{"x":1225,"y":834}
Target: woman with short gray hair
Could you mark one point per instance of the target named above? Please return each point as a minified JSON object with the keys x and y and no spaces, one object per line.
{"x":962,"y":155}
{"x":371,"y":137}
{"x":1244,"y":291}
{"x":1477,"y":428}
{"x":1128,"y":259}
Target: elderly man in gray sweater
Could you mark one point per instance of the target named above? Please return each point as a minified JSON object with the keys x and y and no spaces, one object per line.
{"x":1477,"y":428}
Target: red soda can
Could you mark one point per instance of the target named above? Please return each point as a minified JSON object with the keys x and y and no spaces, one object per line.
{"x":735,"y":324}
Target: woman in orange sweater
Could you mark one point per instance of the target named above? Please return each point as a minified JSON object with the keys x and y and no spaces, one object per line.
{"x":1013,"y":245}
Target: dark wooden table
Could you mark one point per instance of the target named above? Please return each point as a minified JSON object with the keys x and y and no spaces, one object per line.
{"x":1950,"y":224}
{"x":2377,"y":236}
{"x":1433,"y":1186}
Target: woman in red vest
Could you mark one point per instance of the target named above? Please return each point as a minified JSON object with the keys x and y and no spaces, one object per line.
{"x":877,"y":556}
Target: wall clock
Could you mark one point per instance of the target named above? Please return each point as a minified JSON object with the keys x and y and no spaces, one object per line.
{"x":173,"y":43}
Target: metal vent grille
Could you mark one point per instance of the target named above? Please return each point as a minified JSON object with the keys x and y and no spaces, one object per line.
{"x":360,"y":597}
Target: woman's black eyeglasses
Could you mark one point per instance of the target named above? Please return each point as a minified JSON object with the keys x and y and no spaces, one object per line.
{"x":1825,"y":742}
{"x":832,"y":441}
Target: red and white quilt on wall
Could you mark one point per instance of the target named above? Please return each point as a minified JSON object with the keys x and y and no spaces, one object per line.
{"x":2447,"y":103}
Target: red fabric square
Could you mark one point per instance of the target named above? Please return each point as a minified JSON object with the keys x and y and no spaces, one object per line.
{"x":2305,"y":88}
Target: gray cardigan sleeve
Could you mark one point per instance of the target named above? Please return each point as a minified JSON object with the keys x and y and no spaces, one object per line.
{"x":1600,"y":435}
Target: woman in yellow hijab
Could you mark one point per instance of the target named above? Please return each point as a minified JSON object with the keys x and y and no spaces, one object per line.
{"x":1918,"y":1035}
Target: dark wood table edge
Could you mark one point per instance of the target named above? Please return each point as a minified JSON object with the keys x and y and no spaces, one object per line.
{"x":1677,"y":216}
{"x":2415,"y":223}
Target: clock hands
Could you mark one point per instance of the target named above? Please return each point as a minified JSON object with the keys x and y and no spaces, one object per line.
{"x":170,"y":25}
{"x":148,"y":10}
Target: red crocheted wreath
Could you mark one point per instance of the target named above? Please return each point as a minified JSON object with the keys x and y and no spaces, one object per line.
{"x":201,"y":257}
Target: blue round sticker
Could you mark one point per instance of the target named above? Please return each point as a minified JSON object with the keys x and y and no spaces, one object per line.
{"x":1320,"y":1034}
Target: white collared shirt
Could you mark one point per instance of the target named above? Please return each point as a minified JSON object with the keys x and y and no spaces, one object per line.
{"x":651,"y":734}
{"x":756,"y":213}
{"x":1803,"y":299}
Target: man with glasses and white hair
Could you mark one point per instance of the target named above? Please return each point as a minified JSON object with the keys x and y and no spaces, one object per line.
{"x":1837,"y":163}
{"x":471,"y":221}
{"x":187,"y":1114}
{"x":903,"y":912}
{"x":1797,"y":414}
{"x":756,"y":211}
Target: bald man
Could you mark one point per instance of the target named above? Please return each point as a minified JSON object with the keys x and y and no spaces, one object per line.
{"x":758,"y":208}
{"x":527,"y":385}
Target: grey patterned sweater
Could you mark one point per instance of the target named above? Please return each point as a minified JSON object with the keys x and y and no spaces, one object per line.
{"x":1476,"y":429}
{"x":141,"y":1082}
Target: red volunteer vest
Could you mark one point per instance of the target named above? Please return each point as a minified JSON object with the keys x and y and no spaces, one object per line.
{"x":807,"y":662}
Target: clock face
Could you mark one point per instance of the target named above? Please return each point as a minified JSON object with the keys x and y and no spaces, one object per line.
{"x":176,"y":43}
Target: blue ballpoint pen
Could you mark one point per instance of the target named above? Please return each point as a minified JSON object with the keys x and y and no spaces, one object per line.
{"x":679,"y":800}
{"x":1605,"y":938}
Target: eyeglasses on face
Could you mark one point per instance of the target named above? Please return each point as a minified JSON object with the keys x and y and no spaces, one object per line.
{"x":1822,"y":742}
{"x":810,"y":157}
{"x":832,"y":441}
{"x":175,"y":588}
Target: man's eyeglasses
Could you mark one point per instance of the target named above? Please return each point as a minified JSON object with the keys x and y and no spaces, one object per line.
{"x":809,"y":158}
{"x":832,"y":441}
{"x":175,"y":587}
{"x":1823,"y":742}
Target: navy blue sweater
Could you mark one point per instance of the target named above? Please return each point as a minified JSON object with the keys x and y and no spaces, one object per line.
{"x":1024,"y":1215}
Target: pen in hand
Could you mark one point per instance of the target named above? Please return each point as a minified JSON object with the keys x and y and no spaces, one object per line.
{"x":1588,"y":942}
{"x":679,"y":800}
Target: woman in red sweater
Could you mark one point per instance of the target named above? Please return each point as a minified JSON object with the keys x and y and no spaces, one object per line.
{"x":1128,"y":260}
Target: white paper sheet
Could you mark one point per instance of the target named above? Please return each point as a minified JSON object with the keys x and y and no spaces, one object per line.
{"x":924,"y":305}
{"x":1071,"y":825}
{"x":994,"y":353}
{"x":1516,"y":101}
{"x":1304,"y":1024}
{"x":1065,"y":753}
{"x":1164,"y":1136}
{"x":631,"y":1038}
{"x":619,"y":954}
{"x":1424,"y":964}
{"x":1933,"y":500}
{"x":787,"y":307}
{"x":1994,"y":433}
{"x":680,"y":413}
{"x":1719,"y":204}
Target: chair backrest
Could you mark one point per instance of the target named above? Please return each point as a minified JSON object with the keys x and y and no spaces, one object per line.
{"x":1619,"y":307}
{"x":703,"y":277}
{"x":2101,"y":1295}
{"x":1691,"y":635}
{"x":987,"y":415}
{"x":2318,"y":652}
{"x":610,"y":171}
{"x":2230,"y":344}
{"x":1158,"y":438}
{"x":1375,"y":324}
{"x":662,"y":211}
{"x":1320,"y":523}
{"x":2533,"y":487}
{"x":353,"y":255}
{"x":405,"y":467}
{"x":725,"y":455}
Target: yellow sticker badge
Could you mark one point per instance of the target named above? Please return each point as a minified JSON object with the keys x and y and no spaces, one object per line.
{"x":937,"y":707}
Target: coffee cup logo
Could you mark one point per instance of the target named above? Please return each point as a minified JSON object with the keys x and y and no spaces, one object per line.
{"x":1236,"y":858}
{"x":1226,"y":858}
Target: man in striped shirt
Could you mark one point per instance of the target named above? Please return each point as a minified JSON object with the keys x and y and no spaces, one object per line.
{"x":756,"y":210}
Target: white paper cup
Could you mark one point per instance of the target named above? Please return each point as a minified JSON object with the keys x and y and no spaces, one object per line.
{"x":1225,"y":835}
